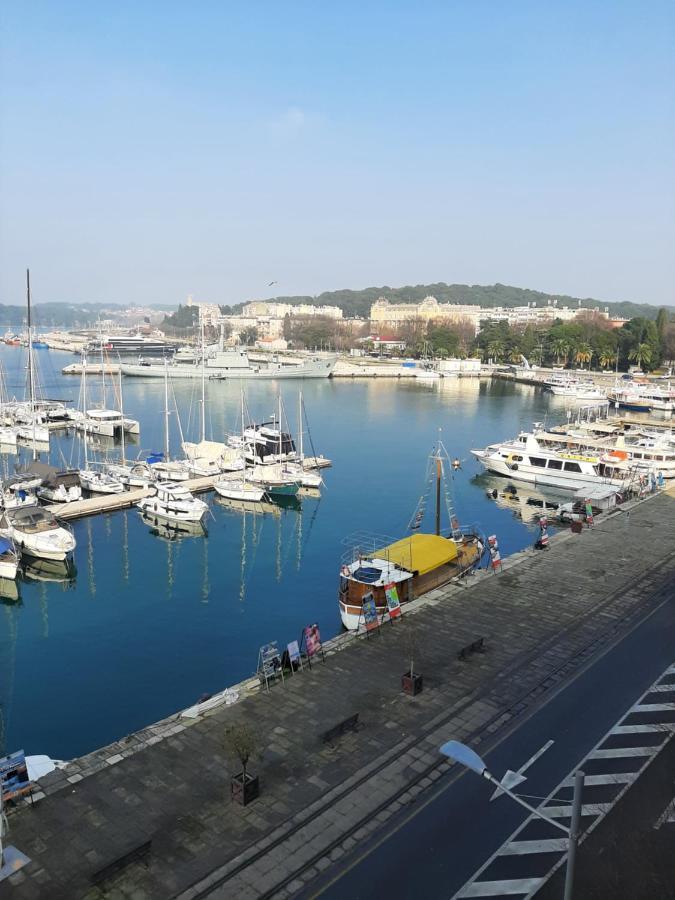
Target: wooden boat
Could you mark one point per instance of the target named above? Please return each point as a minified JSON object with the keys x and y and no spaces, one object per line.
{"x":410,"y":567}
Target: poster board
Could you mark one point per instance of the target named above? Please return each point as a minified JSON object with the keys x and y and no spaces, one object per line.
{"x":369,"y":612}
{"x":269,"y":663}
{"x":310,"y":643}
{"x":393,"y":602}
{"x":294,"y":657}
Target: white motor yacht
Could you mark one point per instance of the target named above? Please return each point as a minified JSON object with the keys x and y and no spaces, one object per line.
{"x":20,"y":491}
{"x":525,"y":459}
{"x":108,"y":422}
{"x":57,"y":486}
{"x":173,"y":501}
{"x":35,"y":531}
{"x":98,"y":481}
{"x":9,"y":559}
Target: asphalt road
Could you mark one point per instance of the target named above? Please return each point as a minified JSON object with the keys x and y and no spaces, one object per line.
{"x":438,"y":846}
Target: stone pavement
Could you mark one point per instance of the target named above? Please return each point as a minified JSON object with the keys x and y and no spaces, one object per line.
{"x":545,"y":615}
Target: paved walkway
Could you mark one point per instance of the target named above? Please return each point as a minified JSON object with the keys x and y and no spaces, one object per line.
{"x":541,"y":618}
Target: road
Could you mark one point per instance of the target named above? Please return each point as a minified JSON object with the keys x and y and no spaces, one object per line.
{"x":438,"y":847}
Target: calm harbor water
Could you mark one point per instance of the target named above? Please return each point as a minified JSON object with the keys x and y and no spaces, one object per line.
{"x":148,"y":624}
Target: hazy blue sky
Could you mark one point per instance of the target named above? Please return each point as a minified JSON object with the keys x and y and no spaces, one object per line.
{"x":151,"y":150}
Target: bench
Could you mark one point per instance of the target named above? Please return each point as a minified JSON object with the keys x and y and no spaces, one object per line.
{"x":135,"y":854}
{"x":477,"y":646}
{"x":348,"y":724}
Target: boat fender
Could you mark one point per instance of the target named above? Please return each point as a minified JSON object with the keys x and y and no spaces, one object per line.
{"x":344,"y":571}
{"x":514,"y":467}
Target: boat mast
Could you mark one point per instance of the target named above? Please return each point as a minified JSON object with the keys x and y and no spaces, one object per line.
{"x":279,"y":426}
{"x":203,"y":382}
{"x":84,"y":409}
{"x":122,"y":420}
{"x":302,"y":455}
{"x":166,"y":411}
{"x":438,"y":492}
{"x":31,"y":373}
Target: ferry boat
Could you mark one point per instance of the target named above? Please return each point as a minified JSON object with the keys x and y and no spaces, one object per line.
{"x":526,"y":459}
{"x":640,"y":397}
{"x":409,"y":567}
{"x":222,"y":364}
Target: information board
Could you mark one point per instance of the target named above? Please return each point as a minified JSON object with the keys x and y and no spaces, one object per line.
{"x":312,"y":640}
{"x":393,"y":603}
{"x":370,"y":616}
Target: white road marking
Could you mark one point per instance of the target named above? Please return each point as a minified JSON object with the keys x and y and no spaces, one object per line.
{"x":501,"y":888}
{"x":615,"y":752}
{"x":667,"y":816}
{"x":595,"y":780}
{"x":653,"y":707}
{"x":565,"y":812}
{"x":643,"y":729}
{"x":662,"y":689}
{"x":511,"y":779}
{"x":522,"y":848}
{"x":670,"y":670}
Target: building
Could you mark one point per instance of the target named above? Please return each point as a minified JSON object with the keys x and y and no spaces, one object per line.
{"x":268,"y":310}
{"x":384,"y":315}
{"x":271,"y":343}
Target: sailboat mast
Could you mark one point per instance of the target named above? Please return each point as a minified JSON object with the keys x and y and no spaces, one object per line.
{"x":84,"y":409}
{"x":203,"y":386}
{"x":122,"y":418}
{"x":279,"y":426}
{"x":302,"y":454}
{"x":31,"y":373}
{"x":438,"y":493}
{"x":166,"y":411}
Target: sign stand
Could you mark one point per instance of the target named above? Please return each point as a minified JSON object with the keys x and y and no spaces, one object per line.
{"x":294,"y":656}
{"x":393,"y":609}
{"x":310,"y":643}
{"x":269,"y":664}
{"x":369,"y":613}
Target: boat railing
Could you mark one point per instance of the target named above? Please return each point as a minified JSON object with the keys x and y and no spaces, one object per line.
{"x":363,"y":544}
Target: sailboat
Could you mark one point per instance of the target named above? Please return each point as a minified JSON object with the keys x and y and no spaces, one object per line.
{"x":241,"y":488}
{"x":377,"y":567}
{"x":97,"y":481}
{"x":163,"y":467}
{"x":131,"y":475}
{"x":31,"y":428}
{"x":278,"y":479}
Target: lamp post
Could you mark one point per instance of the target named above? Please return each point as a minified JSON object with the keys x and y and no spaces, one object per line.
{"x":458,"y":752}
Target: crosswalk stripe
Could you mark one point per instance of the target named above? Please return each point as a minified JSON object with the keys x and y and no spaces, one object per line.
{"x":500,"y":888}
{"x":661,"y":689}
{"x":522,"y":848}
{"x":670,"y":670}
{"x":595,"y":780}
{"x":644,"y":729}
{"x":652,"y":707}
{"x":588,"y":809}
{"x":615,"y":752}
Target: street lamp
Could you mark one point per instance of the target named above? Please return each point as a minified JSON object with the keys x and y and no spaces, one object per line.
{"x":460,"y":753}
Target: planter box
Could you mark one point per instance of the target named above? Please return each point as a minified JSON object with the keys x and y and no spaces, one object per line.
{"x":412,"y":684}
{"x":244,"y":792}
{"x":577,"y":527}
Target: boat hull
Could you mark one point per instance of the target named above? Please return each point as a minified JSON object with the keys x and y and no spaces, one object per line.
{"x":315,"y":369}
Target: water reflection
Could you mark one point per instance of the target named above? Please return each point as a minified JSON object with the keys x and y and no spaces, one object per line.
{"x":525,"y":501}
{"x":62,"y":572}
{"x":174,"y":530}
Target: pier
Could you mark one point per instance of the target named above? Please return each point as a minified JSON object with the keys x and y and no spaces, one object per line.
{"x":151,"y":815}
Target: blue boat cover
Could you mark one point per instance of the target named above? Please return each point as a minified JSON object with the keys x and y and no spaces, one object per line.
{"x":5,"y":545}
{"x":154,"y":458}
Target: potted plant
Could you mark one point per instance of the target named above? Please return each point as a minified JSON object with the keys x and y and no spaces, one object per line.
{"x":241,"y":742}
{"x":411,"y":682}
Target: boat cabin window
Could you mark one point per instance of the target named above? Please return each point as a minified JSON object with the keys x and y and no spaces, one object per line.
{"x":517,"y":458}
{"x":555,"y":464}
{"x":572,"y":467}
{"x":537,"y":461}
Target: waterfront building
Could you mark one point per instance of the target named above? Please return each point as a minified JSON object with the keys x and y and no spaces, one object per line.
{"x":386,"y":315}
{"x":273,"y":310}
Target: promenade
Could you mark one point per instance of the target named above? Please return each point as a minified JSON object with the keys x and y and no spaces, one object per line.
{"x":542,"y":618}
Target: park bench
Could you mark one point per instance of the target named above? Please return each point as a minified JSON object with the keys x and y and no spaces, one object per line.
{"x":348,"y":724}
{"x":134,"y":854}
{"x":477,"y":646}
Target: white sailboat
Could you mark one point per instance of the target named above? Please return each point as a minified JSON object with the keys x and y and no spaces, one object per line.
{"x":131,"y":475}
{"x":31,"y":429}
{"x":241,"y":488}
{"x":279,"y":479}
{"x":166,"y":469}
{"x":98,"y":481}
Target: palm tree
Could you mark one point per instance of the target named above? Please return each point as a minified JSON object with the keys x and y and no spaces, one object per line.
{"x":584,"y":354}
{"x":515,"y":355}
{"x":560,"y":348}
{"x":642,"y":355}
{"x":607,"y":358}
{"x":495,"y":350}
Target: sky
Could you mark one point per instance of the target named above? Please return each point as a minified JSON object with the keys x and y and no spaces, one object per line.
{"x":151,"y":150}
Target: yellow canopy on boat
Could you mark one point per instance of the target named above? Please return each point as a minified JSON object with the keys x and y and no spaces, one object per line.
{"x":420,"y":552}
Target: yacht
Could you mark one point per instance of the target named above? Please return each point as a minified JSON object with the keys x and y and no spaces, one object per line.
{"x":100,"y":481}
{"x":277,"y":479}
{"x":35,"y":531}
{"x":526,"y":459}
{"x":9,"y":559}
{"x":640,"y":397}
{"x":107,"y":422}
{"x":240,"y":489}
{"x":59,"y":486}
{"x":130,"y":345}
{"x":20,"y":491}
{"x":173,"y":502}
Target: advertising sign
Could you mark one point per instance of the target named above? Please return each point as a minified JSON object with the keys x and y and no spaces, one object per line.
{"x":393,"y":603}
